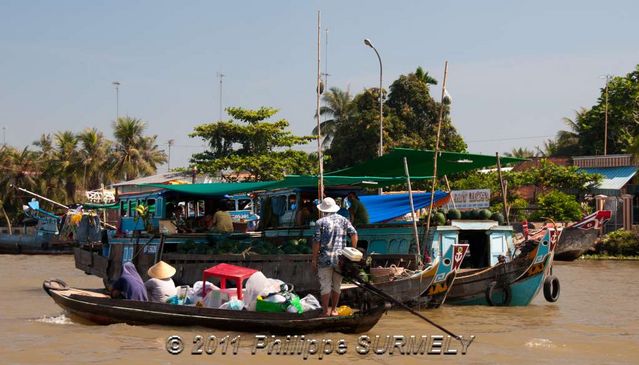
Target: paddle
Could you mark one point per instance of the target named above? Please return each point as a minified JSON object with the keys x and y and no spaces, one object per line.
{"x":367,"y":286}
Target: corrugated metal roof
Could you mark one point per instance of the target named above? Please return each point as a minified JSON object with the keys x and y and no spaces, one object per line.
{"x":614,"y":177}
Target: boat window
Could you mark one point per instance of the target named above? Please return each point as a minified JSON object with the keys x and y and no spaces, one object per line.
{"x":244,"y":204}
{"x":201,"y":210}
{"x":132,"y":205}
{"x":150,"y":203}
{"x":190,"y":207}
{"x":123,"y":208}
{"x":292,"y":202}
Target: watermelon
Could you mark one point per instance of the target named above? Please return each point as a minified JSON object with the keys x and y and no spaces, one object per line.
{"x":474,"y":214}
{"x":485,"y":214}
{"x":439,"y":218}
{"x":453,"y":214}
{"x":498,"y":217}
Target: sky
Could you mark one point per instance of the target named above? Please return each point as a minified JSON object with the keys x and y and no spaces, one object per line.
{"x":516,"y":68}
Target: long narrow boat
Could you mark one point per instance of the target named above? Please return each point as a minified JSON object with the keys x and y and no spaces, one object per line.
{"x":578,"y":238}
{"x":99,"y":308}
{"x":512,"y":283}
{"x":34,"y":245}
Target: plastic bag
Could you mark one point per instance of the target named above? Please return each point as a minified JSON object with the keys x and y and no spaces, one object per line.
{"x":195,"y":294}
{"x":233,"y":304}
{"x":259,"y":285}
{"x":310,"y":303}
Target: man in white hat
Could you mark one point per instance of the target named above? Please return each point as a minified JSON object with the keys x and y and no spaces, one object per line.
{"x":160,"y":286}
{"x":329,"y":240}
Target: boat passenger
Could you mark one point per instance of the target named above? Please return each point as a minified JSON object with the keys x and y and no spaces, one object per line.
{"x":129,"y":285}
{"x":222,"y":221}
{"x":160,"y":286}
{"x":359,"y":214}
{"x":329,"y":239}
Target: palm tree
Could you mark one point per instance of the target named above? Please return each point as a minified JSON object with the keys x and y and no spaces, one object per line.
{"x":520,"y":152}
{"x":68,"y":164}
{"x":133,"y":153}
{"x":424,"y":76}
{"x":338,"y":107}
{"x":17,"y":169}
{"x":94,"y":156}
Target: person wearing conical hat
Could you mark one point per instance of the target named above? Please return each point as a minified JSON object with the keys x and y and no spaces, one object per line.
{"x":160,"y":286}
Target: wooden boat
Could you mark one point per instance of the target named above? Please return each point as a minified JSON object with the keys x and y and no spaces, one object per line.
{"x":99,"y":308}
{"x":511,"y":283}
{"x":577,"y":239}
{"x":34,"y":245}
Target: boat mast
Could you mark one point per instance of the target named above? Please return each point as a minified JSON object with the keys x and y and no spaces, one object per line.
{"x":318,"y":91}
{"x":435,"y":156}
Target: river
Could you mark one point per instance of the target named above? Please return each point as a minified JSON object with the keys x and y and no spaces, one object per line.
{"x":595,"y":321}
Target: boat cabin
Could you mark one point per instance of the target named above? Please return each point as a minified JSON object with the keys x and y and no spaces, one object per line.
{"x":487,"y":241}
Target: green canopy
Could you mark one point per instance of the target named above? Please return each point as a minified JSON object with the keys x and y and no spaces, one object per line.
{"x":101,"y":206}
{"x":213,"y":189}
{"x":299,"y":181}
{"x":420,"y":163}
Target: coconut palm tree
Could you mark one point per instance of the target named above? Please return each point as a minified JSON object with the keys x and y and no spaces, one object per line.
{"x":133,"y":153}
{"x":17,"y":169}
{"x":424,"y":76}
{"x":94,"y":154}
{"x":338,"y":107}
{"x":68,"y":163}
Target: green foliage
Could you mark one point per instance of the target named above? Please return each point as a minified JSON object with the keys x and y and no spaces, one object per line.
{"x":64,"y":164}
{"x":252,"y":145}
{"x":620,"y":242}
{"x":586,"y":135}
{"x":517,"y":209}
{"x":559,"y":206}
{"x":410,"y":120}
{"x":549,"y":176}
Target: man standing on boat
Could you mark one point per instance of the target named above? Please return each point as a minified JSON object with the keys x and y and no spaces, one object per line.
{"x":328,"y":242}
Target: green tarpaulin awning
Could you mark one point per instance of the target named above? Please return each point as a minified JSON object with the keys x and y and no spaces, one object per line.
{"x":420,"y":163}
{"x":216,"y":189}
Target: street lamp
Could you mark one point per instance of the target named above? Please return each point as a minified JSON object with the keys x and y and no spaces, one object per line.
{"x":117,"y":99}
{"x":607,"y":77}
{"x":381,"y":113}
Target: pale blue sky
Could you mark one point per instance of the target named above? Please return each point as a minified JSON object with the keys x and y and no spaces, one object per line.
{"x":515,"y":68}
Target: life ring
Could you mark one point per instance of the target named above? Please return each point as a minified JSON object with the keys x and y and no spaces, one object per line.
{"x":507,"y":294}
{"x":551,"y":288}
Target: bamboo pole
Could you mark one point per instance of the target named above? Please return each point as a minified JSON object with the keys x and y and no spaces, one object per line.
{"x":450,"y":191}
{"x":503,"y":189}
{"x":320,"y":182}
{"x":439,"y":128}
{"x":412,"y":212}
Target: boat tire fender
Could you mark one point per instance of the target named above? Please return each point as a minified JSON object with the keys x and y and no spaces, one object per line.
{"x":507,"y":294}
{"x":551,"y":288}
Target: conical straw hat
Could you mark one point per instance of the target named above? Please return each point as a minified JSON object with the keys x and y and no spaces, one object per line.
{"x":161,"y":270}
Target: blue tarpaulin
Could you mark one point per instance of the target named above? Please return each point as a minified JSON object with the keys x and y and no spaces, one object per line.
{"x":382,"y":208}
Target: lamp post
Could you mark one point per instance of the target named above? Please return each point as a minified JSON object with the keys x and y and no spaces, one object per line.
{"x":381,"y":106}
{"x":607,"y":77}
{"x":117,"y":99}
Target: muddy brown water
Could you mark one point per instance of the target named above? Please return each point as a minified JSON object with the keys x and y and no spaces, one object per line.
{"x":595,"y":321}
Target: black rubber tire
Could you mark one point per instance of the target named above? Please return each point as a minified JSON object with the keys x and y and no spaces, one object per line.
{"x":507,"y":294}
{"x":551,"y":288}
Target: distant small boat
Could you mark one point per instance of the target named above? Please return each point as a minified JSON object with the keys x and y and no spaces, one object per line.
{"x":33,"y":245}
{"x":99,"y":308}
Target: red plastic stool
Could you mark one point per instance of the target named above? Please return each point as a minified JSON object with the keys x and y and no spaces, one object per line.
{"x":224,"y":272}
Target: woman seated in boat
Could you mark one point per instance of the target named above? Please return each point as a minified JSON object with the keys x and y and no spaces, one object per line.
{"x":129,"y":285}
{"x":160,"y":286}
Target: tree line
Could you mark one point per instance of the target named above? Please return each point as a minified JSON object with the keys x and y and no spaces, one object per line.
{"x":62,"y":164}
